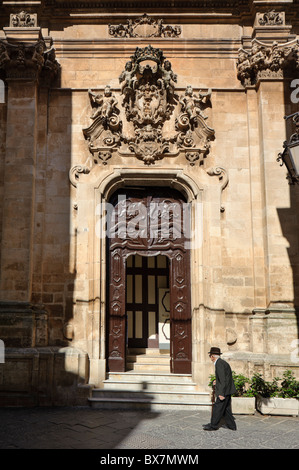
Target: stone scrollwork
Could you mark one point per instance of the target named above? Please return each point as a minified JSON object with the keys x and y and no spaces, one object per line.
{"x":267,"y":61}
{"x":75,"y":172}
{"x":148,"y":119}
{"x":144,"y":27}
{"x":223,"y":178}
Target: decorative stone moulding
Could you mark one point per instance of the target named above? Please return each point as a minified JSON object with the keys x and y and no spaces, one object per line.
{"x":144,"y":27}
{"x":28,"y":61}
{"x":267,"y":61}
{"x":147,"y":118}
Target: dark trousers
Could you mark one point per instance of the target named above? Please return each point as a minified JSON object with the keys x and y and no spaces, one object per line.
{"x":223,"y":409}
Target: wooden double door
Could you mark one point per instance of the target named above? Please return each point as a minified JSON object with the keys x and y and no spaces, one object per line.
{"x":148,"y":248}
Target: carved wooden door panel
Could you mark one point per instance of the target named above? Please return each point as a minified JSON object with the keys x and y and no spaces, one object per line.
{"x":150,"y":222}
{"x":180,"y":308}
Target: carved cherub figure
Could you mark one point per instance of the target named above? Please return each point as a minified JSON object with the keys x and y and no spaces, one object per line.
{"x":4,"y":57}
{"x":192,"y":104}
{"x":169,"y":78}
{"x":257,"y":57}
{"x":128,"y":76}
{"x":38,"y":54}
{"x":105,"y":103}
{"x":244,"y":67}
{"x":276,"y":57}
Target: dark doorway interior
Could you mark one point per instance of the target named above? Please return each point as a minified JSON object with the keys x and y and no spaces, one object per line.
{"x":145,"y":275}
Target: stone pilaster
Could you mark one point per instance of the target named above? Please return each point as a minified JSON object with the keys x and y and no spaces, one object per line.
{"x":25,"y":65}
{"x":265,"y":70}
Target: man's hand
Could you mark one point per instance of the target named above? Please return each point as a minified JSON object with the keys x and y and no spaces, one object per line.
{"x":221,"y":397}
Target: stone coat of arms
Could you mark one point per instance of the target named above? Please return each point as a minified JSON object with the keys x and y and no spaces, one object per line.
{"x":133,"y":122}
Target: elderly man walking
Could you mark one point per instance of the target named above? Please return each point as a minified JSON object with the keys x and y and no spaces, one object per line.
{"x":224,"y":388}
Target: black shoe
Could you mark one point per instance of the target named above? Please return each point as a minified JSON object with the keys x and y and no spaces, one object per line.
{"x":208,"y":427}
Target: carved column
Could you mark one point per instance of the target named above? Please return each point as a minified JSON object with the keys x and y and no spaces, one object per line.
{"x":23,"y":65}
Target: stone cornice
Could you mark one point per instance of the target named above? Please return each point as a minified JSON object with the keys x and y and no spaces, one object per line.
{"x":117,"y":12}
{"x":146,"y":5}
{"x":60,"y":8}
{"x":171,"y":46}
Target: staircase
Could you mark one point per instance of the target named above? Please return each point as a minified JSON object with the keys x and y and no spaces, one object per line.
{"x":148,"y":384}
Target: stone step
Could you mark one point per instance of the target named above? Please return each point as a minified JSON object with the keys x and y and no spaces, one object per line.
{"x":147,"y":351}
{"x":148,"y":367}
{"x":159,"y":396}
{"x":154,"y":391}
{"x":150,"y":401}
{"x":145,"y":404}
{"x":148,"y":358}
{"x":149,"y":377}
{"x":149,"y":386}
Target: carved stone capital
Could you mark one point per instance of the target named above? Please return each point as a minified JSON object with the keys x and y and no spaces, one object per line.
{"x":28,"y":61}
{"x":267,"y":61}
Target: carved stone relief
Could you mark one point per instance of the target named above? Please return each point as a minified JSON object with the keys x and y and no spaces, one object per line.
{"x":133,"y":121}
{"x":271,"y":18}
{"x":144,"y":27}
{"x":32,"y":61}
{"x":264,"y":61}
{"x":23,"y":20}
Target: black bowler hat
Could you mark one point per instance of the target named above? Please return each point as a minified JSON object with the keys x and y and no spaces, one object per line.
{"x":215,"y":351}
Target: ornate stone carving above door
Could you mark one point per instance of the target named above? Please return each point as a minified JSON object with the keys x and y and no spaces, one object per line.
{"x":144,"y":27}
{"x":133,"y":121}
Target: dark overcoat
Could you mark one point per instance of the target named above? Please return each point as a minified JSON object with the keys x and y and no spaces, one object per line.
{"x":224,"y":379}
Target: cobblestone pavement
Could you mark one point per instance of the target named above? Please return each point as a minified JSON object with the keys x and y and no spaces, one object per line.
{"x":86,"y":428}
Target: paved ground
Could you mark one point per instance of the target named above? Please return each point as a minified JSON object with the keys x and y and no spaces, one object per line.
{"x":86,"y":428}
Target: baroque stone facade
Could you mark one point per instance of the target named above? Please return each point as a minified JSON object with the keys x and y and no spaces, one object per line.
{"x":181,"y":106}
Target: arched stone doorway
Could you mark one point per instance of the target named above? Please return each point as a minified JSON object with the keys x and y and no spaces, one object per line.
{"x":149,"y":222}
